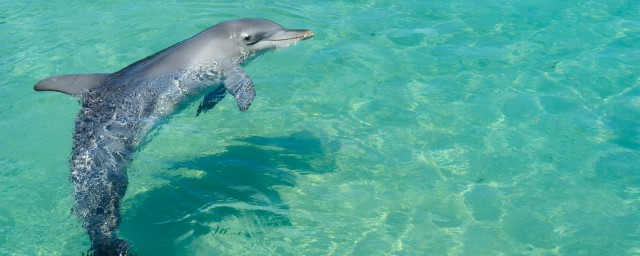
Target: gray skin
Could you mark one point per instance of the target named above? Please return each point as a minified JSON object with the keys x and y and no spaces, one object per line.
{"x":120,"y":109}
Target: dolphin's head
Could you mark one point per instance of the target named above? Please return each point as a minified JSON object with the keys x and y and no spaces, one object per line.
{"x":251,"y":37}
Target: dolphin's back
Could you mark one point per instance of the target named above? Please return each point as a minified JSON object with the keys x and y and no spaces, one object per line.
{"x":149,"y":60}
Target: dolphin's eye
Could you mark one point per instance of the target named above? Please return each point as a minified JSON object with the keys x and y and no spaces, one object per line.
{"x":250,"y":39}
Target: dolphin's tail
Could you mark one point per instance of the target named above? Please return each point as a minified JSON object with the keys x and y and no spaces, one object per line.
{"x":98,"y":173}
{"x":98,"y":193}
{"x":98,"y":207}
{"x":107,"y":245}
{"x":98,"y":197}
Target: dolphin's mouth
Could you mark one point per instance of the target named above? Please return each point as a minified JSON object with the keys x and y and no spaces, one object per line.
{"x":291,"y":35}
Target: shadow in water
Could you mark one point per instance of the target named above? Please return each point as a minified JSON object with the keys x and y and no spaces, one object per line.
{"x":232,"y":193}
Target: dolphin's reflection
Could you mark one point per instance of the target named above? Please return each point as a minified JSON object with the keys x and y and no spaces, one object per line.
{"x":238,"y":185}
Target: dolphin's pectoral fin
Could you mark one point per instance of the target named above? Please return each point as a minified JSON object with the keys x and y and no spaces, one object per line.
{"x":71,"y":84}
{"x":211,"y":99}
{"x":239,"y":84}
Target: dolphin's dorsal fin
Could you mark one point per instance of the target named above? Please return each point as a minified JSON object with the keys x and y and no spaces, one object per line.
{"x":71,"y":84}
{"x":240,"y":85}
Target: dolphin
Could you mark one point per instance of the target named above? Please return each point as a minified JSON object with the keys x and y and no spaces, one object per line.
{"x":119,"y":109}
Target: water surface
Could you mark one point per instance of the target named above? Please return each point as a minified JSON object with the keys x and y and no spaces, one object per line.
{"x":407,"y":128}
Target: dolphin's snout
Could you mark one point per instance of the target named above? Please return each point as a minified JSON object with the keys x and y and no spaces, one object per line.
{"x":308,"y":34}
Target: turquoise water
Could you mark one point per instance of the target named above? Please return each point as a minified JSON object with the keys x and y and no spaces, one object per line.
{"x":407,"y":128}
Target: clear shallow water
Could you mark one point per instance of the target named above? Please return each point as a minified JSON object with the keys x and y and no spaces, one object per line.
{"x":413,"y":128}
